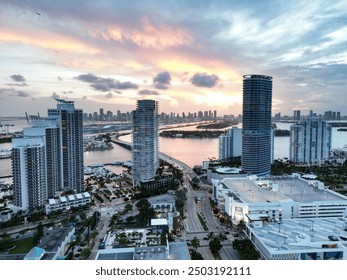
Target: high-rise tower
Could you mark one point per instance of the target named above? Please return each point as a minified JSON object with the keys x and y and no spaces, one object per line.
{"x":230,"y":143}
{"x":49,"y":130}
{"x":71,"y":138}
{"x":145,"y":141}
{"x":29,"y":172}
{"x":310,"y":141}
{"x":36,"y":163}
{"x":48,"y":157}
{"x":256,"y":128}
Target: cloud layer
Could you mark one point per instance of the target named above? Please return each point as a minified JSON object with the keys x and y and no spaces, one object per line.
{"x":192,"y":51}
{"x":105,"y":84}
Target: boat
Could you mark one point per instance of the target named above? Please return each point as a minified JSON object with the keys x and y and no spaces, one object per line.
{"x":117,"y":162}
{"x":97,"y":165}
{"x":127,"y":164}
{"x":5,"y":156}
{"x":88,"y":171}
{"x":5,"y":153}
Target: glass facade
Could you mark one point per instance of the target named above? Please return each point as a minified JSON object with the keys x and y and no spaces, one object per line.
{"x":256,"y":126}
{"x":145,"y":141}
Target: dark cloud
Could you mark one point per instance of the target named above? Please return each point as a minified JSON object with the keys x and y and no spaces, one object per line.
{"x":125,"y":85}
{"x":88,"y":78}
{"x":148,"y":92}
{"x":109,"y":95}
{"x":105,"y":84}
{"x":18,"y":84}
{"x":204,"y":80}
{"x":162,"y":80}
{"x":60,"y":78}
{"x":20,"y":93}
{"x":14,"y":92}
{"x":55,"y":95}
{"x":17,"y":78}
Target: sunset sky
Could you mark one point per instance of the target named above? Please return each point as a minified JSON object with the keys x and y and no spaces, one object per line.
{"x":189,"y":55}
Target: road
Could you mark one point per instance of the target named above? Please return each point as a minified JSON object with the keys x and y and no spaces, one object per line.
{"x":192,"y":225}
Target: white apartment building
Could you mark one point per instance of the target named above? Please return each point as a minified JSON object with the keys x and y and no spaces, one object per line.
{"x":310,"y":141}
{"x":29,"y":172}
{"x":65,"y":203}
{"x":48,"y":157}
{"x":230,"y":143}
{"x":49,"y":130}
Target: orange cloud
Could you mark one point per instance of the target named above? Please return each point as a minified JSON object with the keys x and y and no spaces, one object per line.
{"x":55,"y":42}
{"x":147,"y":36}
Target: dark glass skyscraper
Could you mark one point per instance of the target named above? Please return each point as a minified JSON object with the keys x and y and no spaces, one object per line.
{"x":256,"y":127}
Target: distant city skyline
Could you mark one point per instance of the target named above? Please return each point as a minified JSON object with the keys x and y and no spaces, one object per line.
{"x":187,"y":55}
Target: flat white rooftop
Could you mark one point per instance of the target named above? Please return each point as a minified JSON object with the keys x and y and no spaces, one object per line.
{"x":289,"y":188}
{"x":302,"y":234}
{"x":165,"y":198}
{"x":228,"y":170}
{"x":158,"y":222}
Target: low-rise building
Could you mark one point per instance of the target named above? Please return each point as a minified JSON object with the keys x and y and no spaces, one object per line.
{"x":222,"y":172}
{"x":65,"y":203}
{"x":278,"y":198}
{"x":5,"y":215}
{"x":300,"y":239}
{"x":174,"y":220}
{"x":140,"y":244}
{"x":159,"y":225}
{"x":162,"y":203}
{"x":340,"y":154}
{"x":53,"y":245}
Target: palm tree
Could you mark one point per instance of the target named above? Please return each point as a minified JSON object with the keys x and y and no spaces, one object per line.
{"x":215,"y":244}
{"x":195,"y":242}
{"x":210,"y":236}
{"x":196,"y":255}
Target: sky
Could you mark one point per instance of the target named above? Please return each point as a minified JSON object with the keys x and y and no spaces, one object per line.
{"x":188,"y":55}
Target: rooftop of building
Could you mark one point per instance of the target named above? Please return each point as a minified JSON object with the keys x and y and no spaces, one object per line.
{"x":69,"y":198}
{"x":177,"y":251}
{"x":302,"y":234}
{"x":135,"y":237}
{"x":158,"y":222}
{"x":257,"y":76}
{"x":165,"y":198}
{"x":279,"y":189}
{"x":228,"y":170}
{"x":54,"y":238}
{"x":35,"y":253}
{"x":133,"y":253}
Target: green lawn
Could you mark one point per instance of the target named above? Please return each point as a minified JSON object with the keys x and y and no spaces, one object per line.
{"x":22,"y":246}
